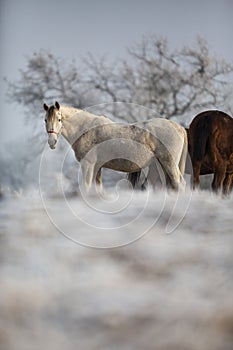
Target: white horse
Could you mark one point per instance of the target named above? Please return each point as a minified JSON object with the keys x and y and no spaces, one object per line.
{"x":98,"y":142}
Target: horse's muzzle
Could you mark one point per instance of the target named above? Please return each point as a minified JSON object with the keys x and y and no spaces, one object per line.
{"x":52,"y":146}
{"x":52,"y":140}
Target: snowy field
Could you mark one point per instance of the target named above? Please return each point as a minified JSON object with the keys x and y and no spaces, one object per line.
{"x":133,"y":270}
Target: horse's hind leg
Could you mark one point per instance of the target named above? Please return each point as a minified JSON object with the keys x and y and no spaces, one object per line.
{"x":156,"y":175}
{"x":219,"y":176}
{"x":173,"y":173}
{"x":195,"y":177}
{"x":227,"y":184}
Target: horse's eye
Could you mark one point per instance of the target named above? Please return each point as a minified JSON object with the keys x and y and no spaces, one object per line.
{"x":59,"y":120}
{"x":45,"y":120}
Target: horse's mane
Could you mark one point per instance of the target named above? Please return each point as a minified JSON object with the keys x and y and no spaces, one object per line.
{"x":70,"y":109}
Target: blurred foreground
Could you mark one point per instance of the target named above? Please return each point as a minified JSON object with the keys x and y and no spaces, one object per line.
{"x":162,"y":291}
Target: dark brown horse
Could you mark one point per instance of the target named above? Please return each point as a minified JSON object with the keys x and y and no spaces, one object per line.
{"x":210,"y":137}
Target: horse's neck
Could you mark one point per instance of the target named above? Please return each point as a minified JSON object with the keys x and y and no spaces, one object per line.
{"x":76,"y":122}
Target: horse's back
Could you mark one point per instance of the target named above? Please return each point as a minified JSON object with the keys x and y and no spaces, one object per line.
{"x":210,"y":130}
{"x":168,"y":132}
{"x":211,"y":120}
{"x":210,"y":138}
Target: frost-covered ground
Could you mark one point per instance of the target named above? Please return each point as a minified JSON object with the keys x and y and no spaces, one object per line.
{"x":157,"y":291}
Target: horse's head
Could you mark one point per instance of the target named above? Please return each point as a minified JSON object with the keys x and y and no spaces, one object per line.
{"x":53,"y":123}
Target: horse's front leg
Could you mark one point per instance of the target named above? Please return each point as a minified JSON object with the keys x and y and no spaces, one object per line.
{"x":87,"y":174}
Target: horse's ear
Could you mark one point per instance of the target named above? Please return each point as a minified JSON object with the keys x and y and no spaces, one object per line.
{"x":57,"y":105}
{"x":46,"y":107}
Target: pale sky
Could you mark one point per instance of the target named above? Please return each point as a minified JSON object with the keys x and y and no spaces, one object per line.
{"x":71,"y":28}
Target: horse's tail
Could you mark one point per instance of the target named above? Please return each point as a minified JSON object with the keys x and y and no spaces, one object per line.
{"x":201,"y":133}
{"x":133,"y":178}
{"x":184,"y":153}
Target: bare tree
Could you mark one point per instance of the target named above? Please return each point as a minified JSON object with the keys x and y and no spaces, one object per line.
{"x":174,"y":84}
